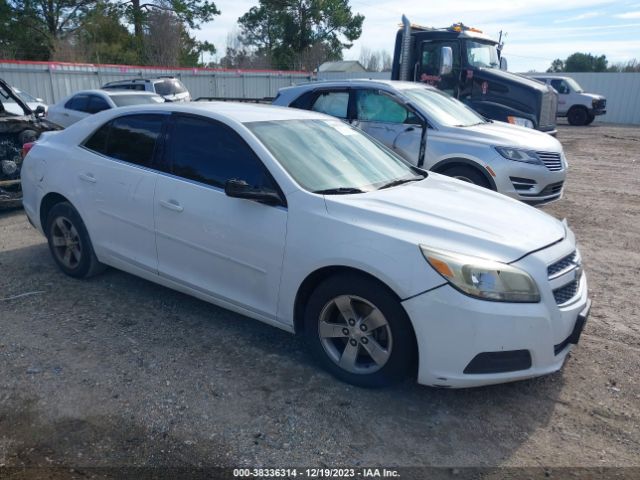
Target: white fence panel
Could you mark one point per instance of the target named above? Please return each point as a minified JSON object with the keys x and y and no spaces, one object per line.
{"x":54,"y":81}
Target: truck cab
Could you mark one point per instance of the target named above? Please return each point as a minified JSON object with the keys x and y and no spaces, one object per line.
{"x":580,"y":107}
{"x":467,"y":64}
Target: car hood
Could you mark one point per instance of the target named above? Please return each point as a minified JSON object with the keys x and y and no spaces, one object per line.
{"x":502,"y":134}
{"x":594,"y":96}
{"x":441,"y":212}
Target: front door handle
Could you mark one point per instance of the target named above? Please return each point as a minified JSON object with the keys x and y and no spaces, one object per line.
{"x":88,"y":177}
{"x":172,"y":205}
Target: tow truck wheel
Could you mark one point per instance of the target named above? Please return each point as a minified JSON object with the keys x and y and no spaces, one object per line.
{"x":578,"y":116}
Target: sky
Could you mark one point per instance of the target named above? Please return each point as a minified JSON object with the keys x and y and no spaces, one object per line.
{"x":537,"y":31}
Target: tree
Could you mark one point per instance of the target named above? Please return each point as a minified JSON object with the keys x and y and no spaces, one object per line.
{"x":556,"y":66}
{"x":629,"y":66}
{"x":373,"y":61}
{"x":189,"y":12}
{"x":300,"y":33}
{"x":105,"y":39}
{"x":580,"y":62}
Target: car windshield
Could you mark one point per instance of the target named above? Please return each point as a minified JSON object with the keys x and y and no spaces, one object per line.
{"x":442,"y":108}
{"x":575,"y":86}
{"x":126,"y":100}
{"x":329,"y":156}
{"x":170,"y":86}
{"x":482,"y":54}
{"x":7,"y":98}
{"x":26,"y":97}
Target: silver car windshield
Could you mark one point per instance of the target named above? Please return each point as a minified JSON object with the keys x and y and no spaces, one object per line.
{"x":329,"y":156}
{"x":442,"y":108}
{"x":126,"y":100}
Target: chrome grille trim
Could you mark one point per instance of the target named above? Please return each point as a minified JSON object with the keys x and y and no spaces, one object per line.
{"x":551,"y":160}
{"x":564,"y":294}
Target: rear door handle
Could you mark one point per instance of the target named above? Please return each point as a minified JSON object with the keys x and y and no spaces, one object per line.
{"x":87,"y":177}
{"x":172,"y":205}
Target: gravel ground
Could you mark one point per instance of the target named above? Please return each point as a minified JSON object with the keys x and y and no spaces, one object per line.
{"x":118,"y":371}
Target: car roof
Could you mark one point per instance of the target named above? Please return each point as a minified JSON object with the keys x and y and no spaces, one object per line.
{"x":111,"y":93}
{"x":360,"y":82}
{"x":234,"y":111}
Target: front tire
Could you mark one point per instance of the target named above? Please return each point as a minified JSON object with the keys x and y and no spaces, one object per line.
{"x":578,"y":116}
{"x":69,"y":242}
{"x":359,"y":332}
{"x":467,"y":174}
{"x":590,"y":119}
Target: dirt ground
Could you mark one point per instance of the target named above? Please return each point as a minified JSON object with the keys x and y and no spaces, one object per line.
{"x":118,"y":371}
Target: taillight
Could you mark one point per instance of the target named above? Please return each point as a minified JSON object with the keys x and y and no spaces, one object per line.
{"x":26,"y":148}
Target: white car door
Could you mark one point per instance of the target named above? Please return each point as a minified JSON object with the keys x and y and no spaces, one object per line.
{"x":229,"y":248}
{"x":115,"y":182}
{"x":388,"y":121}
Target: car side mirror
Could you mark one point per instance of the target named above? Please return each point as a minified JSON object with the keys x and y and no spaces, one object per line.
{"x":446,"y":60}
{"x":39,"y":111}
{"x":240,"y":189}
{"x":503,"y":64}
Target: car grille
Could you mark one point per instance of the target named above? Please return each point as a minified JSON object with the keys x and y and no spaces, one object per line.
{"x":551,"y":160}
{"x":552,"y":189}
{"x":600,"y":104}
{"x":562,"y":264}
{"x":569,"y":290}
{"x":566,"y":293}
{"x":548,"y":110}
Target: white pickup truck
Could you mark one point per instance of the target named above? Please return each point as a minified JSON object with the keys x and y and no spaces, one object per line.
{"x":579,"y":107}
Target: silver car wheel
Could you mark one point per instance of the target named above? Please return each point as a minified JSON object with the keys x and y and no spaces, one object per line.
{"x":355,"y":334}
{"x":463,"y":178}
{"x":66,"y":242}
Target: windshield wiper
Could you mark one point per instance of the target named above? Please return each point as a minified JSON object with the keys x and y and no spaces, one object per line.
{"x":339,"y":191}
{"x":400,"y":181}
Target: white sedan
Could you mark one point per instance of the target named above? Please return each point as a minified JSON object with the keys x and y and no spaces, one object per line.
{"x":88,"y":102}
{"x":301,"y":221}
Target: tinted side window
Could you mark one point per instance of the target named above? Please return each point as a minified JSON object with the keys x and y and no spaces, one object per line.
{"x":335,"y":104}
{"x":560,"y":86}
{"x":304,"y":101}
{"x":78,"y":102}
{"x":98,"y":141}
{"x":133,"y":138}
{"x":210,"y":152}
{"x":97,"y":104}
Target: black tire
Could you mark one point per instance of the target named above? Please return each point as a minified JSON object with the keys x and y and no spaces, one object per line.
{"x":396,"y":336}
{"x":65,"y":225}
{"x":578,"y":116}
{"x":467,"y":174}
{"x":590,"y":119}
{"x":27,"y":136}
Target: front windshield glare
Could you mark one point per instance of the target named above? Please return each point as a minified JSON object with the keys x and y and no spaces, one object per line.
{"x":443,"y":109}
{"x":329,"y":154}
{"x":482,"y":55}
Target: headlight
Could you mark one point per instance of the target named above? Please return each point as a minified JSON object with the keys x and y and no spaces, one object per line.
{"x":484,"y":279}
{"x":519,"y":155}
{"x":522,"y":122}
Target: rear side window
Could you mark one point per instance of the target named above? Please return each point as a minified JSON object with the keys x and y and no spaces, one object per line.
{"x":132,"y":138}
{"x":212,"y":153}
{"x":78,"y":102}
{"x":335,"y":104}
{"x":97,"y":104}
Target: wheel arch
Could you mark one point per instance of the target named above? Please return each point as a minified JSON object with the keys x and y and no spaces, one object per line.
{"x":443,"y":165}
{"x":47,"y":203}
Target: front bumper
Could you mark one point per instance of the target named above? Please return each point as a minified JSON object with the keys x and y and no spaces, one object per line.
{"x":531,"y":184}
{"x":453,"y":329}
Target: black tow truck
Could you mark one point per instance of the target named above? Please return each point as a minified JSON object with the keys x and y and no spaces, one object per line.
{"x":468,"y":65}
{"x":15,"y":131}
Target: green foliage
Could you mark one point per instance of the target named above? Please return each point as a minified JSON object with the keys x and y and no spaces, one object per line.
{"x":300,"y":33}
{"x":105,"y":38}
{"x":580,"y":62}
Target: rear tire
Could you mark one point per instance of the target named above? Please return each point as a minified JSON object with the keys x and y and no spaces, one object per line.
{"x":467,"y":174}
{"x":358,"y":331}
{"x":69,"y":242}
{"x":578,"y":116}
